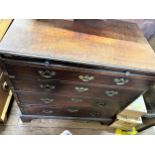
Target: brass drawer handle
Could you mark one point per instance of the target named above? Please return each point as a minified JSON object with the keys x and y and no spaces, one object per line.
{"x":47,"y":74}
{"x":94,"y":114}
{"x":120,"y":81}
{"x":76,"y":100}
{"x":81,"y":89}
{"x":47,"y":87}
{"x":5,"y":86}
{"x":111,"y":93}
{"x":86,"y":78}
{"x":100,"y":104}
{"x":47,"y":100}
{"x":47,"y":111}
{"x":72,"y":109}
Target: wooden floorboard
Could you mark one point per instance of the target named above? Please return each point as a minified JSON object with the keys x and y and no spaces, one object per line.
{"x":14,"y":126}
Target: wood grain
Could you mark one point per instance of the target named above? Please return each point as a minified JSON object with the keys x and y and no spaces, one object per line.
{"x":113,"y":43}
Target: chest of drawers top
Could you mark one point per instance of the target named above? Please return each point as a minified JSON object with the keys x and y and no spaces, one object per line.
{"x":108,"y":43}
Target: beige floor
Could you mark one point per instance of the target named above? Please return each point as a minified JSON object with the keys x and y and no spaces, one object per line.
{"x":14,"y":126}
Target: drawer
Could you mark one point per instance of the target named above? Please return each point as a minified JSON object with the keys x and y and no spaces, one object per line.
{"x":42,"y":99}
{"x":101,"y":77}
{"x":70,"y":89}
{"x":67,"y":111}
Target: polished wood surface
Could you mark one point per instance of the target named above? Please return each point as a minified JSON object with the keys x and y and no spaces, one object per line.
{"x":111,"y":43}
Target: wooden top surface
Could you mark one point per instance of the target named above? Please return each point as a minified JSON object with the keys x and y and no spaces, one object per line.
{"x":105,"y":43}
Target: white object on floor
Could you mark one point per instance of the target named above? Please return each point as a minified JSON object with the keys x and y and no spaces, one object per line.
{"x":66,"y":132}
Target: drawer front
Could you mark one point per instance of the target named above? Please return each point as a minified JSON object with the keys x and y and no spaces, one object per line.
{"x":121,"y":79}
{"x":42,"y":99}
{"x":67,"y":111}
{"x":70,"y":89}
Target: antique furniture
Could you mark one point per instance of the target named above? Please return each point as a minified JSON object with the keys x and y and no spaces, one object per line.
{"x":82,"y":69}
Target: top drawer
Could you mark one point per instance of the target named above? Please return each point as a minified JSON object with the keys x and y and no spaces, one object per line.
{"x":76,"y":74}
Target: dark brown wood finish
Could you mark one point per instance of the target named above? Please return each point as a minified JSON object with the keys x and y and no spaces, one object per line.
{"x":87,"y":69}
{"x":70,"y":111}
{"x":68,"y":88}
{"x":60,"y":100}
{"x":85,"y":76}
{"x":29,"y":99}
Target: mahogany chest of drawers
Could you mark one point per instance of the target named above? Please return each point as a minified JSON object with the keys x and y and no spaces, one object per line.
{"x":82,"y":69}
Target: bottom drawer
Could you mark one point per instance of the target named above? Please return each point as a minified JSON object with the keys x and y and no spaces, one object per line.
{"x":68,"y":111}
